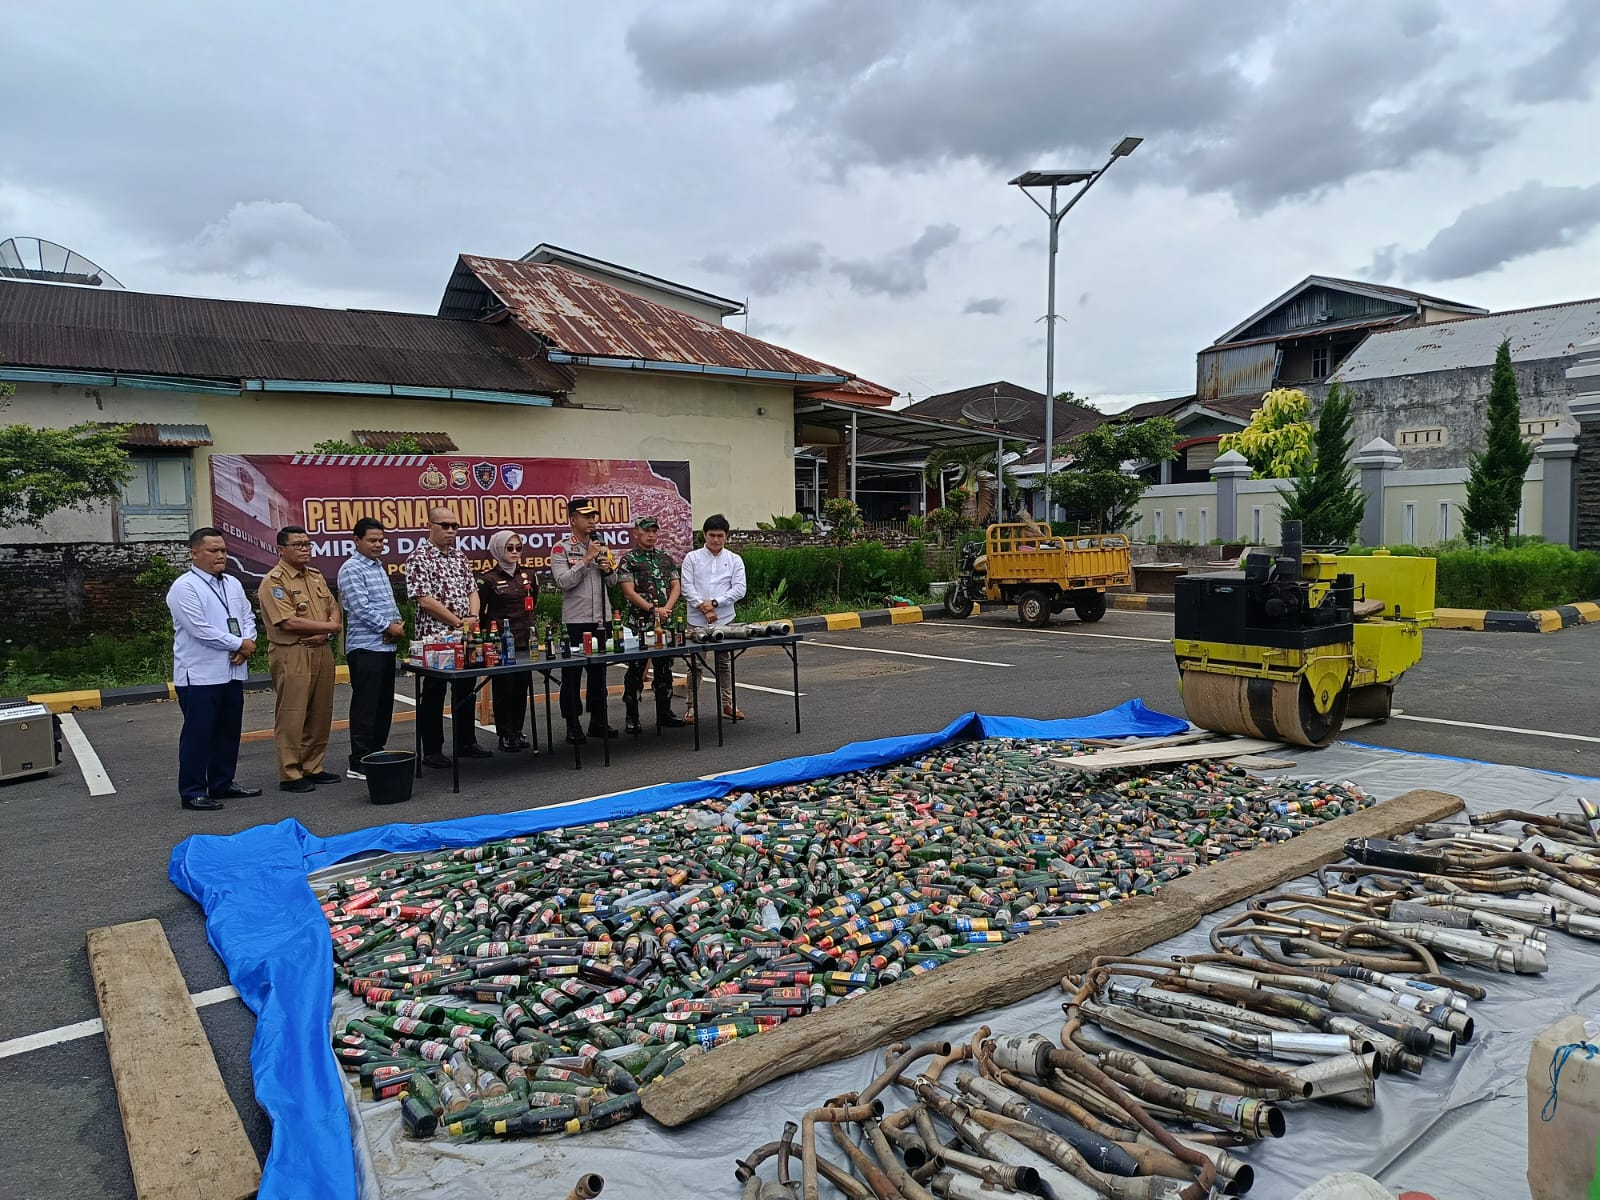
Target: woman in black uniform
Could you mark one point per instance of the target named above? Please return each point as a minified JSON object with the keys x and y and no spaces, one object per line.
{"x":508,"y":592}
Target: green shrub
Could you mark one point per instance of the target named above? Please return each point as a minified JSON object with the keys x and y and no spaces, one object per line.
{"x":811,"y":575}
{"x":1531,"y":573}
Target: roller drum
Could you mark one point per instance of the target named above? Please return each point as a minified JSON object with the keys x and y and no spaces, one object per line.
{"x":1264,"y":708}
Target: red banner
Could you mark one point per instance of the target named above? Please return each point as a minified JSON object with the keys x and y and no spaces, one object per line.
{"x":255,"y":495}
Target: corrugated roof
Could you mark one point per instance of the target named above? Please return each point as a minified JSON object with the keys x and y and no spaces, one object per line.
{"x":431,"y":443}
{"x":140,"y":333}
{"x":1070,"y":419}
{"x":1378,"y":290}
{"x":172,"y":436}
{"x":588,"y":319}
{"x":1550,"y":331}
{"x":544,"y":252}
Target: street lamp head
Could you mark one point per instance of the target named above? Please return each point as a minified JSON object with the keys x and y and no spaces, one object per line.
{"x":1125,"y":147}
{"x":1052,"y":178}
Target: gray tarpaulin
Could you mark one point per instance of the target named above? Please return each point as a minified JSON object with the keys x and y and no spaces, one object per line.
{"x":1459,"y":1130}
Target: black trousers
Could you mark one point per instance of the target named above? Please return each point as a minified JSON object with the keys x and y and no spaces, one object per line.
{"x":371,"y":701}
{"x":510,"y":694}
{"x":430,"y":714}
{"x":595,"y":692}
{"x":633,"y":681}
{"x":208,"y":747}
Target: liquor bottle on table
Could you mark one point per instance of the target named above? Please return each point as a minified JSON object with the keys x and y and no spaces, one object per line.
{"x":566,"y":642}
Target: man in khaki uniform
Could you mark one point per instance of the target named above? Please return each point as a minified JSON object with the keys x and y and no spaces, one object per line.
{"x":301,"y":618}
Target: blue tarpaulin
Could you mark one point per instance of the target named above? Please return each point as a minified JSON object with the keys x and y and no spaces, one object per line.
{"x":264,"y":922}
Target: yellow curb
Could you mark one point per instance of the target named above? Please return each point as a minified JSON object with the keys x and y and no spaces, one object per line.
{"x":1129,"y":600}
{"x":60,"y":702}
{"x":1549,"y":620}
{"x":172,"y":690}
{"x":341,"y":674}
{"x":842,"y":620}
{"x":1588,"y":610}
{"x":1459,"y":618}
{"x":904,"y":616}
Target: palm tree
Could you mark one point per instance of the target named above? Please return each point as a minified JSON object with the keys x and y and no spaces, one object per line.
{"x":976,"y":464}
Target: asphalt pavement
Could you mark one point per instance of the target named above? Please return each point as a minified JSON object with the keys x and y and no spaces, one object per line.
{"x":78,"y":861}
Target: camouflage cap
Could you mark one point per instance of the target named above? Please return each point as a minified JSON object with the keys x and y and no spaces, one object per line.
{"x":647,"y":523}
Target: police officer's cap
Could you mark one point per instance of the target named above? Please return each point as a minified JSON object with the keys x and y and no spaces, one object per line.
{"x":583,"y":506}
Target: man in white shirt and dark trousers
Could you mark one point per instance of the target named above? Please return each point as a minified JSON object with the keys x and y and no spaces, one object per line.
{"x":713,"y":582}
{"x":213,"y":637}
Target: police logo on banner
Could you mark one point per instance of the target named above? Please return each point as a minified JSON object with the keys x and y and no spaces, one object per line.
{"x":511,"y":476}
{"x":484,"y":473}
{"x":458,"y":476}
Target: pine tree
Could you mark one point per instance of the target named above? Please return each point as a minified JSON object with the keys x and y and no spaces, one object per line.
{"x":1494,"y":489}
{"x":1325,"y":499}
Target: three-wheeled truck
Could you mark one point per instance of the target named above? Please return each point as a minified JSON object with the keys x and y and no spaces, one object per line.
{"x":1040,"y":572}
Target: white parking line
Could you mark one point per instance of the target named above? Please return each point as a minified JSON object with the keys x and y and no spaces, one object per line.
{"x":1115,"y":637}
{"x":1544,"y":733}
{"x":83,"y":1029}
{"x":976,"y":662}
{"x":756,"y":687}
{"x":94,"y":774}
{"x":447,"y":714}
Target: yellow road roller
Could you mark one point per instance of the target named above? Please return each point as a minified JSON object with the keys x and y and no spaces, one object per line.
{"x":1291,"y":644}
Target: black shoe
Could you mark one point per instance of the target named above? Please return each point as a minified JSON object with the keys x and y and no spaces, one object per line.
{"x":436,"y":759}
{"x":473,"y":750}
{"x":603,"y":731}
{"x":667,"y":719}
{"x":234,"y":792}
{"x":575,"y":735}
{"x":202,"y":803}
{"x":631,"y":725}
{"x":511,"y":744}
{"x":296,"y":785}
{"x":523,"y":743}
{"x":325,"y":777}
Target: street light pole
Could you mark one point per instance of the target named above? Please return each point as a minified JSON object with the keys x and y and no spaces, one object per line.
{"x":1056,"y":180}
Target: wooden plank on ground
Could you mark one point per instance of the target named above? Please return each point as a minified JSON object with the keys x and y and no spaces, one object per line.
{"x":1110,"y":760}
{"x":1022,"y":968}
{"x":185,"y":1139}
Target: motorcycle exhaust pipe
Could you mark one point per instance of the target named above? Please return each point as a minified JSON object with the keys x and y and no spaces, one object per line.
{"x":1345,"y":1079}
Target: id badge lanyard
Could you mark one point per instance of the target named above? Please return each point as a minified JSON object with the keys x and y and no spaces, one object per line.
{"x":222,"y":595}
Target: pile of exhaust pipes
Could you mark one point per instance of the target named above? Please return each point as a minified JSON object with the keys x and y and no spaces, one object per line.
{"x":739,"y":631}
{"x":1164,"y":1067}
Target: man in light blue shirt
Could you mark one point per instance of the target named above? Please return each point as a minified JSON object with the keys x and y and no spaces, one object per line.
{"x":213,"y":637}
{"x":372,"y":627}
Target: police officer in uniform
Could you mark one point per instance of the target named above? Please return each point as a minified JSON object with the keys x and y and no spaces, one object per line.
{"x":302,"y":619}
{"x":649,"y":580}
{"x":583,"y":568}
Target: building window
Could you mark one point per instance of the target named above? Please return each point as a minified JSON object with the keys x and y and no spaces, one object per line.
{"x":1444,"y":519}
{"x":1537,"y":427}
{"x":1205,"y":525}
{"x":1158,"y":525}
{"x":1319,"y":362}
{"x":1433,"y":435}
{"x":154,"y":506}
{"x":1255,"y":527}
{"x":1181,"y":527}
{"x":1408,"y":524}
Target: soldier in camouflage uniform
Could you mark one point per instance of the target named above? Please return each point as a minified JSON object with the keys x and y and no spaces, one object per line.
{"x":649,"y":580}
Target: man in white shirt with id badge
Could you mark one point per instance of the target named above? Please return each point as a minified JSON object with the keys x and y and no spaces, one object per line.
{"x":213,"y":637}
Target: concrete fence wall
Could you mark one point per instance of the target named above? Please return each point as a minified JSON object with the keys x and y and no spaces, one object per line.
{"x":1410,"y":507}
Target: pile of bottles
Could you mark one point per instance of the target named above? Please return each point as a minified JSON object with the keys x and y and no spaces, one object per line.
{"x":534,"y":984}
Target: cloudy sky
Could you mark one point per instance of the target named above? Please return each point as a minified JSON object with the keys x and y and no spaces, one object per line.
{"x":841,"y":164}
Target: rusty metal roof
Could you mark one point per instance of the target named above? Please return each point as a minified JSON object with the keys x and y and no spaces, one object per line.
{"x":431,"y":443}
{"x":600,"y":325}
{"x":165,"y":436}
{"x":91,"y":329}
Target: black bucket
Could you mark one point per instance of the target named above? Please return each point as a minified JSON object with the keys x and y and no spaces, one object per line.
{"x":390,"y":774}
